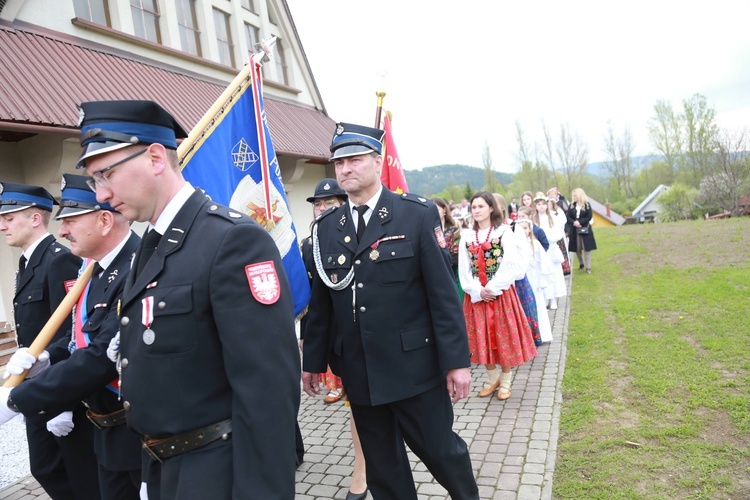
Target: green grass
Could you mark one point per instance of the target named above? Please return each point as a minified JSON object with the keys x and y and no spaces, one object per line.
{"x":658,"y":354}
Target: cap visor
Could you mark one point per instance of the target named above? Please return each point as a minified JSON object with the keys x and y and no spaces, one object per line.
{"x":71,"y":211}
{"x":7,"y":209}
{"x":353,"y":150}
{"x":99,"y":148}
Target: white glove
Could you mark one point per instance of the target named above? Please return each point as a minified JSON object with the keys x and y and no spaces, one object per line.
{"x":113,"y":351}
{"x":22,"y":360}
{"x":62,"y":424}
{"x":6,"y":414}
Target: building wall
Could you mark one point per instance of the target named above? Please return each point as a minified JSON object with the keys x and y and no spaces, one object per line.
{"x":42,"y":159}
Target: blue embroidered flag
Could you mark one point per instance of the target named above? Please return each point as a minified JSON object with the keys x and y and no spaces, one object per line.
{"x":234,"y":162}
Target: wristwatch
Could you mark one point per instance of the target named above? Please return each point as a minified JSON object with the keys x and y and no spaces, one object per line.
{"x":12,"y":406}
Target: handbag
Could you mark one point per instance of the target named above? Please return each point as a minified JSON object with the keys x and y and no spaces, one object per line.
{"x":583,"y":230}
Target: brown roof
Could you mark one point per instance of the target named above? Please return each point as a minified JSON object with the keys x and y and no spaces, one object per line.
{"x":45,"y":76}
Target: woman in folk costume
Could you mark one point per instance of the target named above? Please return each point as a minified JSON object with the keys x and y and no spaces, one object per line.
{"x":487,"y":267}
{"x":540,"y":275}
{"x":554,"y":228}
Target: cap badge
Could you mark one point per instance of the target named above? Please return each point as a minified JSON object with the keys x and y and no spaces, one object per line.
{"x":1,"y":188}
{"x":339,"y":130}
{"x":327,"y":187}
{"x":62,"y":184}
{"x":81,"y":116}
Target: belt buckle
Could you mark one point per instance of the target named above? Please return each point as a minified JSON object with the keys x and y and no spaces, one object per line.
{"x":151,"y":452}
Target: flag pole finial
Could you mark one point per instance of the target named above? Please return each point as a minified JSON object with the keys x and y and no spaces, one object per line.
{"x":379,"y":109}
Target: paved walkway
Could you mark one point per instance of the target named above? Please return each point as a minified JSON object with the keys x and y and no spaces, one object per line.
{"x":513,"y":444}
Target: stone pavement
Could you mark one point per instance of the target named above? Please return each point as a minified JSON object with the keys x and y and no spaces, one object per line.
{"x":513,"y":444}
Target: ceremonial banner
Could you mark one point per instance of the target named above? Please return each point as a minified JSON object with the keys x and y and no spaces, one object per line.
{"x":233,"y":160}
{"x":392,"y":175}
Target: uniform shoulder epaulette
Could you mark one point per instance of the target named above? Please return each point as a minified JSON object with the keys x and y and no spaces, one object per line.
{"x":327,"y":213}
{"x":414,"y":198}
{"x":224,"y":212}
{"x":56,"y":247}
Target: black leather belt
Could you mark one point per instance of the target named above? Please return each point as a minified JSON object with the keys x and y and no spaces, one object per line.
{"x":161,"y":448}
{"x":110,"y":420}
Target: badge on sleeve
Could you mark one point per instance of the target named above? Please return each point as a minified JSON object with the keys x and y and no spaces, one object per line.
{"x":440,"y":237}
{"x":264,"y":282}
{"x":68,"y":285}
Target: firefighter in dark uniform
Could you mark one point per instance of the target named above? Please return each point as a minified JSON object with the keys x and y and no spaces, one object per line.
{"x":400,"y":344}
{"x":63,"y":463}
{"x":210,"y":366}
{"x":96,"y":232}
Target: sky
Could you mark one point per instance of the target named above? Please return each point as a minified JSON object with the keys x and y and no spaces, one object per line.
{"x":459,"y":75}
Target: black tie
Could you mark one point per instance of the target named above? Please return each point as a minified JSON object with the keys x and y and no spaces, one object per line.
{"x":21,"y":269}
{"x":95,"y":273}
{"x":361,"y":222}
{"x":148,"y":245}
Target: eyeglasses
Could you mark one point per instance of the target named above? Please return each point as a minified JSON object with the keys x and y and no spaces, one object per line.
{"x":99,"y":179}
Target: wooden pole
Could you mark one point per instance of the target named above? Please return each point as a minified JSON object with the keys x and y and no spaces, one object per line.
{"x":62,"y":313}
{"x":379,"y":109}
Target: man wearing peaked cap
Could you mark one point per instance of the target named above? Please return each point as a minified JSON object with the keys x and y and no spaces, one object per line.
{"x":400,"y":344}
{"x":97,"y":233}
{"x":63,"y":463}
{"x":207,"y":344}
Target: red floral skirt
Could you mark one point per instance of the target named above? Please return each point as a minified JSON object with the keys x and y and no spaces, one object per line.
{"x":498,"y":331}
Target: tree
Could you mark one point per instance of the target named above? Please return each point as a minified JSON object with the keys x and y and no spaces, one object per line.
{"x":490,"y":179}
{"x":468,"y":191}
{"x":700,"y":136}
{"x":728,"y":178}
{"x":679,"y":202}
{"x":664,"y":132}
{"x":619,"y":154}
{"x":573,"y":156}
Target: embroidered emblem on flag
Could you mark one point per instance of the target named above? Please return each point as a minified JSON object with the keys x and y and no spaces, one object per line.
{"x":264,"y":282}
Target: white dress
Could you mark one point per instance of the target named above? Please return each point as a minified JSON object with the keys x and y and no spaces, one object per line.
{"x":541,"y":277}
{"x":554,"y":233}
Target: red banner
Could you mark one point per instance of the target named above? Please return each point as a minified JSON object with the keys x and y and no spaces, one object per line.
{"x":392,"y":175}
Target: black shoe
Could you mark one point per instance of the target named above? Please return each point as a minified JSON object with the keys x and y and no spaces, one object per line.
{"x":580,"y":268}
{"x":356,"y":496}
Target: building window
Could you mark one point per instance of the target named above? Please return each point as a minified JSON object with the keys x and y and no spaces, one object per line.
{"x":146,"y":19}
{"x":249,"y":5}
{"x":252,"y":36}
{"x":96,"y":11}
{"x":280,"y":62}
{"x":224,"y":38}
{"x":187,"y":21}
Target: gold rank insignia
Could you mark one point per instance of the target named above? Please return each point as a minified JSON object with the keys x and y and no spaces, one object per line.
{"x":347,"y":239}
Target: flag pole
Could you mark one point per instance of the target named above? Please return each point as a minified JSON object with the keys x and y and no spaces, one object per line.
{"x":379,"y":110}
{"x":261,"y":55}
{"x":50,"y":328}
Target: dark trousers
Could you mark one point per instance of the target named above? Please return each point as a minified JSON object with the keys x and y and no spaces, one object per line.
{"x":120,"y":484}
{"x":425,"y":423}
{"x":65,"y":467}
{"x":184,"y":477}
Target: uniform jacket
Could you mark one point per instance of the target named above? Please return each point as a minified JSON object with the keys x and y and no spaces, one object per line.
{"x":407,"y":328}
{"x":84,"y":375}
{"x":41,"y":289}
{"x":217,"y":351}
{"x":584,"y":218}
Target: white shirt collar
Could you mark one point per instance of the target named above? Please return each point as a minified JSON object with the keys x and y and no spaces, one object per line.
{"x":30,"y":251}
{"x":371,"y":204}
{"x":174,"y":206}
{"x":107,"y":259}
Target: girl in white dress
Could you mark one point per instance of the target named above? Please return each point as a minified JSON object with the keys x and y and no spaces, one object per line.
{"x":540,"y":275}
{"x":554,"y":230}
